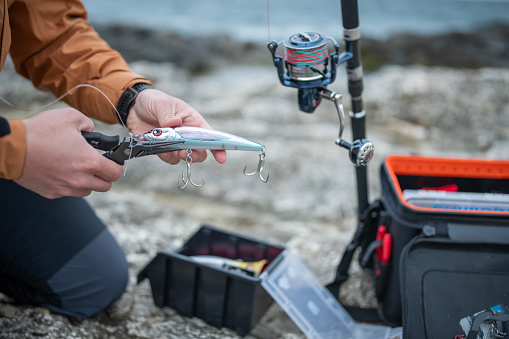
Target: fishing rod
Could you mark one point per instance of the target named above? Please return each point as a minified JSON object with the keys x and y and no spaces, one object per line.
{"x":306,"y":65}
{"x":352,"y":36}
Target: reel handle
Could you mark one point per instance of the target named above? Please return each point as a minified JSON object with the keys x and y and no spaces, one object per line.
{"x":361,"y":151}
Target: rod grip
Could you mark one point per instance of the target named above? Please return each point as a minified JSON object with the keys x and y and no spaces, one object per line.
{"x":350,"y":11}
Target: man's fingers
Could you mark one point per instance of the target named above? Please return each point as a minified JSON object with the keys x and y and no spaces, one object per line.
{"x":220,"y":156}
{"x":169,"y":120}
{"x":107,"y":169}
{"x":100,"y":185}
{"x":174,"y":158}
{"x":170,"y":158}
{"x":84,"y":123}
{"x":93,"y":184}
{"x":198,"y":155}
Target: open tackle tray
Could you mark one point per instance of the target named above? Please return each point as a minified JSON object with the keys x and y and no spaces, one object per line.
{"x":221,"y":296}
{"x":226,"y":296}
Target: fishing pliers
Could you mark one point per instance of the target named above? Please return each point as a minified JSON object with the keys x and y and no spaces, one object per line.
{"x":130,"y":147}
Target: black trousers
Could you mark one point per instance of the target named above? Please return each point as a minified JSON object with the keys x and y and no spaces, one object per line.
{"x":57,"y":253}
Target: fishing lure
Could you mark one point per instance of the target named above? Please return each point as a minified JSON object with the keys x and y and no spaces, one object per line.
{"x":163,"y":140}
{"x":251,"y":268}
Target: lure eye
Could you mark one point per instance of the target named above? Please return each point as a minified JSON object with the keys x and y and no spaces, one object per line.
{"x":157,"y":132}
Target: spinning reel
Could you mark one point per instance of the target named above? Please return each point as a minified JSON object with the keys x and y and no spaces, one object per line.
{"x":306,"y":65}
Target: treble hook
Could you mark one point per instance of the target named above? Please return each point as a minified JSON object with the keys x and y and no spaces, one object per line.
{"x":261,"y":163}
{"x":187,"y":179}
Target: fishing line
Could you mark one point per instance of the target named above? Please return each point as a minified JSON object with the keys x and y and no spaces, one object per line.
{"x":302,"y":50}
{"x":268,"y":19}
{"x":26,"y":109}
{"x":306,"y":57}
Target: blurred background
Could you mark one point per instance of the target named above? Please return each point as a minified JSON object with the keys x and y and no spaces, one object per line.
{"x":247,"y":20}
{"x":436,"y":82}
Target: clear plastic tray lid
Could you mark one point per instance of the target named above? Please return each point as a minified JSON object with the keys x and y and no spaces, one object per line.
{"x":312,"y":307}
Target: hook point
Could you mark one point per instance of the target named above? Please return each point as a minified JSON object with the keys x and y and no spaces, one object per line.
{"x":249,"y":174}
{"x":186,"y":179}
{"x":261,"y":163}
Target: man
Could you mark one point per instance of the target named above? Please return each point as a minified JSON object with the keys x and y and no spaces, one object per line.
{"x":54,"y":251}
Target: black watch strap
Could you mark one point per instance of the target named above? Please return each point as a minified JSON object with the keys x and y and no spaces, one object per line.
{"x":127,"y":99}
{"x":5,"y":128}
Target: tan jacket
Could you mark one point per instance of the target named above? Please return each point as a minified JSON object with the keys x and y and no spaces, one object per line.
{"x":52,"y":44}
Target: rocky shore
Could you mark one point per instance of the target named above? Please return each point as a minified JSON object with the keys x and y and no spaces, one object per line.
{"x":440,"y":107}
{"x":485,"y":47}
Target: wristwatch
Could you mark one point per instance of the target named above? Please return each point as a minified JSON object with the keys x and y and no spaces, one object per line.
{"x":127,"y":99}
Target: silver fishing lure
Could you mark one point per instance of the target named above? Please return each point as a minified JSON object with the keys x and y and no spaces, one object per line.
{"x":162,"y":140}
{"x":202,"y":138}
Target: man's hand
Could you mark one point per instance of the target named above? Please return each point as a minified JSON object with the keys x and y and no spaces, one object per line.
{"x":154,"y":108}
{"x":59,"y":162}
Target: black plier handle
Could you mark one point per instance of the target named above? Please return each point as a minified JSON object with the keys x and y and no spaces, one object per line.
{"x":121,"y":150}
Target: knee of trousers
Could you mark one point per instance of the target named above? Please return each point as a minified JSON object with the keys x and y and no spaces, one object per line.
{"x":92,"y":280}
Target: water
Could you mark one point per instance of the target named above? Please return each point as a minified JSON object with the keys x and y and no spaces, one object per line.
{"x":247,"y":20}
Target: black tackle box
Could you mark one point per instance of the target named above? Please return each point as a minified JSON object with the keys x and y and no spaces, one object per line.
{"x":220,"y":296}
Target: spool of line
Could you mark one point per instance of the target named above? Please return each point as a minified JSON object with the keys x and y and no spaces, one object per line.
{"x":306,"y":56}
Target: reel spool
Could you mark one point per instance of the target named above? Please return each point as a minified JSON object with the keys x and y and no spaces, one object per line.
{"x":306,"y":65}
{"x":305,"y":62}
{"x":306,"y":59}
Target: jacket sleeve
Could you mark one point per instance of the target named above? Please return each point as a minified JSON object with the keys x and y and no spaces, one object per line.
{"x":55,"y":47}
{"x":12,"y":150}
